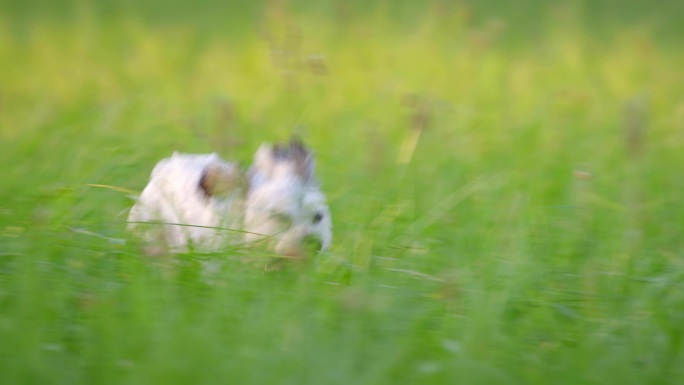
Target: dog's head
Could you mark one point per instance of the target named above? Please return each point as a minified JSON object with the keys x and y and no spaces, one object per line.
{"x":285,"y":207}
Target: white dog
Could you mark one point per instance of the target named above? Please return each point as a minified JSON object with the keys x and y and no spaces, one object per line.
{"x":197,"y":201}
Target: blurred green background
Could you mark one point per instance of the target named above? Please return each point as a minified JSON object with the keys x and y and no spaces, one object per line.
{"x":503,"y":176}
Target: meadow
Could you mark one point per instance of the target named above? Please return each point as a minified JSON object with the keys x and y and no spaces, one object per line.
{"x":502,"y":178}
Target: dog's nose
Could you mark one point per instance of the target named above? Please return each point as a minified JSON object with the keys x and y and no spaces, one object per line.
{"x":311,"y":244}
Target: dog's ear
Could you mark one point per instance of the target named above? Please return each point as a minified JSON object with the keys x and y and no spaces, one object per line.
{"x":221,"y":179}
{"x":264,"y":161}
{"x":292,"y":159}
{"x":304,"y":160}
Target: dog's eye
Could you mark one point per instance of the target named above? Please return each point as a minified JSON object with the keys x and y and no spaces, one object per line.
{"x":317,"y":217}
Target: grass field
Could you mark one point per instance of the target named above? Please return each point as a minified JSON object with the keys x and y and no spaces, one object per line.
{"x":504,"y":182}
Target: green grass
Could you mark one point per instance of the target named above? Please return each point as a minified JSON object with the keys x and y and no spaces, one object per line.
{"x":494,"y":221}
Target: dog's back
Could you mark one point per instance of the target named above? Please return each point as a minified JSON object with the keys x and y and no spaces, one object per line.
{"x":192,"y":200}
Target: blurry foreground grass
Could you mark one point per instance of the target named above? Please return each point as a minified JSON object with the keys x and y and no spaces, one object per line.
{"x":507,"y":206}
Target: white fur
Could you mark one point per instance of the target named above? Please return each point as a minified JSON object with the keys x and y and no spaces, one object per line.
{"x":282,"y":203}
{"x":173,"y":197}
{"x":283,"y":206}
